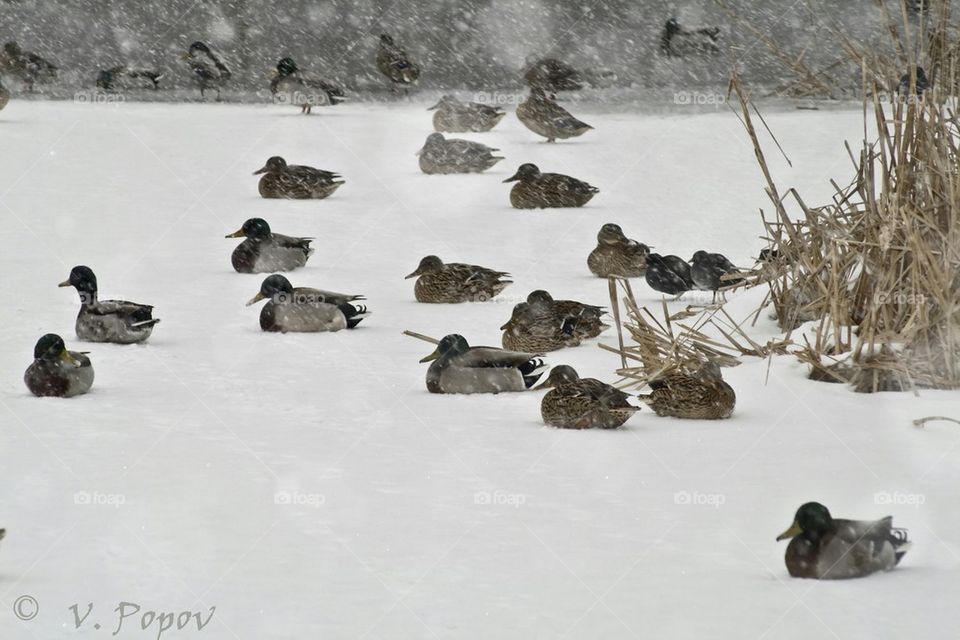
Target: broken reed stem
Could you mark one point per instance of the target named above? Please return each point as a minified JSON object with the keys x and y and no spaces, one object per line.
{"x":420,"y":336}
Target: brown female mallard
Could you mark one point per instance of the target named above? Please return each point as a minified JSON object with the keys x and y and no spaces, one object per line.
{"x":827,"y":549}
{"x":56,"y":371}
{"x":453,"y":116}
{"x":582,"y":403}
{"x":700,"y":395}
{"x":442,"y":155}
{"x":589,"y":317}
{"x":552,"y":75}
{"x":394,"y":63}
{"x":459,"y":368}
{"x":616,"y":255}
{"x":535,"y":190}
{"x":295,"y":182}
{"x":456,"y":282}
{"x":266,"y":252}
{"x":534,"y":329}
{"x":546,"y":118}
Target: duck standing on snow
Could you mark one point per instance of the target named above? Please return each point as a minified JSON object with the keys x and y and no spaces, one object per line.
{"x":582,"y":403}
{"x":589,"y":317}
{"x":531,"y":328}
{"x":824,"y":548}
{"x":27,"y":66}
{"x":456,"y":367}
{"x":551,"y":76}
{"x":393,"y":62}
{"x":442,"y":155}
{"x":616,"y":255}
{"x":453,"y":116}
{"x":208,"y":71}
{"x":546,"y":118}
{"x":115,"y":321}
{"x":303,"y":309}
{"x":700,"y":395}
{"x":301,"y":89}
{"x":120,"y":76}
{"x":56,"y":371}
{"x":456,"y":282}
{"x":668,"y":274}
{"x":708,"y":271}
{"x":535,"y":190}
{"x":266,"y":252}
{"x":295,"y":182}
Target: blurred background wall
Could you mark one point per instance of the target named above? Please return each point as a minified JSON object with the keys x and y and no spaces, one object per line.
{"x":475,"y":44}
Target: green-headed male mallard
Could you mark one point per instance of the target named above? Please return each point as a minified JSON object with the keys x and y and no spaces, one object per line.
{"x":536,"y":190}
{"x":699,"y":395}
{"x":124,"y":77}
{"x":266,"y":252}
{"x":303,"y":309}
{"x":616,"y":255}
{"x":453,"y":116}
{"x":56,"y":371}
{"x":442,"y":155}
{"x":116,"y":321}
{"x":293,"y":86}
{"x":395,"y":64}
{"x":532,"y":328}
{"x":295,"y":182}
{"x":456,"y":282}
{"x":552,"y":75}
{"x":582,"y":403}
{"x":27,"y":66}
{"x":827,"y":549}
{"x":459,"y":368}
{"x":589,"y":317}
{"x":208,"y":70}
{"x":545,"y":117}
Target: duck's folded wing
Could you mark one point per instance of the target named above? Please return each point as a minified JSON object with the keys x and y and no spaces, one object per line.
{"x":329,"y":297}
{"x":468,"y":149}
{"x":118,"y":307}
{"x":298,"y":174}
{"x":290,"y":242}
{"x":484,"y":357}
{"x":853,"y":531}
{"x":474,"y":273}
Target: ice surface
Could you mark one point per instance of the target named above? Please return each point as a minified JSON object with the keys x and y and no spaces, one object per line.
{"x":308,"y":486}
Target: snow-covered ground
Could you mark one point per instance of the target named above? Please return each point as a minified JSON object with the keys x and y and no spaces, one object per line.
{"x":308,"y":486}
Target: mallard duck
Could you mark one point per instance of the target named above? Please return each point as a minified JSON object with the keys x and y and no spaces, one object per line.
{"x":582,"y":403}
{"x":616,"y":255}
{"x":668,"y":274}
{"x":552,"y":75}
{"x":295,"y":182}
{"x":208,"y":71}
{"x":535,"y":190}
{"x":827,"y":549}
{"x":303,"y":309}
{"x":546,"y":118}
{"x":56,"y":371}
{"x":923,"y":84}
{"x":301,"y":89}
{"x":266,"y":252}
{"x":456,"y":282}
{"x":440,"y":155}
{"x":535,"y":329}
{"x":119,"y":76}
{"x":27,"y":66}
{"x":700,"y":395}
{"x":708,"y":269}
{"x":454,"y":116}
{"x":395,"y":64}
{"x":115,"y":321}
{"x":459,"y":368}
{"x":701,"y":40}
{"x":589,"y":317}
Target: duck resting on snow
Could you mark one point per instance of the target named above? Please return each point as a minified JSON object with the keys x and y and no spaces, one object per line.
{"x":456,"y":367}
{"x":57,"y":372}
{"x":295,"y":182}
{"x":266,"y":252}
{"x":616,"y":255}
{"x":115,"y":321}
{"x":536,"y":190}
{"x":455,"y":282}
{"x":443,"y":155}
{"x":582,"y":403}
{"x":453,"y":116}
{"x":303,"y":309}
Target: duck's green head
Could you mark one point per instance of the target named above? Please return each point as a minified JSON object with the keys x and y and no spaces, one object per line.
{"x":560,"y":375}
{"x":51,"y":347}
{"x":255,"y":228}
{"x":287,"y":66}
{"x":429,"y":264}
{"x":275,"y":288}
{"x":84,"y":281}
{"x":275,"y":164}
{"x":527,"y":171}
{"x":451,"y":345}
{"x":812,"y":519}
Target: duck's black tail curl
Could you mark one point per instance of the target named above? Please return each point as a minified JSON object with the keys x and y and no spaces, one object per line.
{"x":353,"y":314}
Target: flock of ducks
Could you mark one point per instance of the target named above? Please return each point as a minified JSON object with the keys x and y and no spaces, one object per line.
{"x":820,"y":546}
